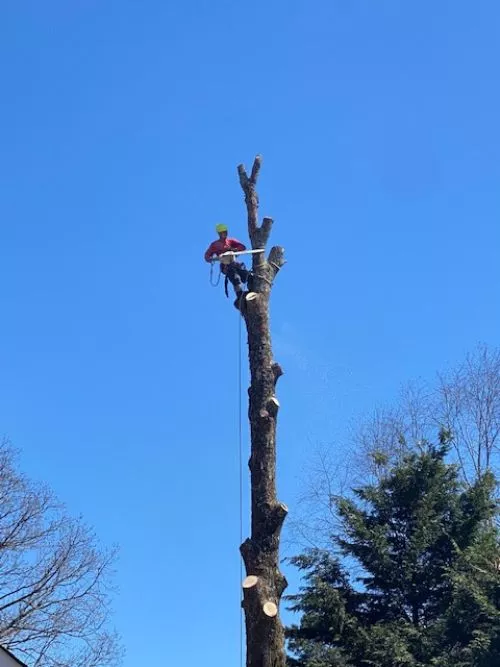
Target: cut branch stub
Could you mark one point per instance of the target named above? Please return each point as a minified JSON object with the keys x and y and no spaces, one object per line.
{"x":243,"y":176}
{"x":270,"y":609}
{"x":247,"y":553}
{"x":252,"y":201}
{"x":277,"y":371}
{"x":250,"y":581}
{"x":276,"y":259}
{"x":277,"y":516}
{"x":281,"y":583}
{"x":255,"y":169}
{"x":273,"y":406}
{"x":267,"y":223}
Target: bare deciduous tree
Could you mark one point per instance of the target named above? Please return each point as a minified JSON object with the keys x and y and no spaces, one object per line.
{"x":326,"y":480}
{"x":383,"y":439}
{"x":54,"y":579}
{"x":469,"y":406}
{"x":464,"y":401}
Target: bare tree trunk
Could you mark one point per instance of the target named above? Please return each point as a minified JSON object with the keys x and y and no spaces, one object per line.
{"x":264,"y":584}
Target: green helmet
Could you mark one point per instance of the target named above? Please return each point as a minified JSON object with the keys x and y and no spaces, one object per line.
{"x":220,"y":228}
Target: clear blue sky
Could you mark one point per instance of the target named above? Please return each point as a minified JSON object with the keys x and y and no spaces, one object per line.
{"x":121,"y":127}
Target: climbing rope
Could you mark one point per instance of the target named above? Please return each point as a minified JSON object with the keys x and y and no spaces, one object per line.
{"x":240,"y":447}
{"x":213,"y":282}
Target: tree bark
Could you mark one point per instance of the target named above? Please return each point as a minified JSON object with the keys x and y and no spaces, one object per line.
{"x":265,"y":641}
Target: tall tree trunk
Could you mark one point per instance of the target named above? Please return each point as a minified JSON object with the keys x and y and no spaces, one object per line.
{"x":264,"y":583}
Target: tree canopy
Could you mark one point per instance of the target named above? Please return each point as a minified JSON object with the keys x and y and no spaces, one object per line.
{"x":54,"y":579}
{"x":412,"y":577}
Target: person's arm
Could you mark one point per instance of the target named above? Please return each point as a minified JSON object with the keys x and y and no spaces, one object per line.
{"x":236,"y":245}
{"x":210,"y":253}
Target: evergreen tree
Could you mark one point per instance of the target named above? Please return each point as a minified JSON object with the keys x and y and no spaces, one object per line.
{"x":414,"y":579}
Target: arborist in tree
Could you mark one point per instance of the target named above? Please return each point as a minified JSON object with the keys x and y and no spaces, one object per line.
{"x":236,"y":272}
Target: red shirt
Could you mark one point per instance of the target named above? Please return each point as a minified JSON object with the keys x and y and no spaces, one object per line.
{"x":223,"y":245}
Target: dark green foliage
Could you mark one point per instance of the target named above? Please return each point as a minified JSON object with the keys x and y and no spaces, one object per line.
{"x":414,"y":579}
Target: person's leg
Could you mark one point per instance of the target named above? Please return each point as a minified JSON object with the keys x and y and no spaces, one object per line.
{"x":243,"y":271}
{"x":234,"y":278}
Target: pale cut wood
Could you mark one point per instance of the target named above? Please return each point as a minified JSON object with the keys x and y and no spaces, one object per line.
{"x":270,"y":609}
{"x":250,"y":581}
{"x":251,"y":296}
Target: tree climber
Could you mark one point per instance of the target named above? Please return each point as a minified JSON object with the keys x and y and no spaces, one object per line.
{"x":236,"y":272}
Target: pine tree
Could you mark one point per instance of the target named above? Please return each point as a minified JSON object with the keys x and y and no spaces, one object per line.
{"x":412,"y":581}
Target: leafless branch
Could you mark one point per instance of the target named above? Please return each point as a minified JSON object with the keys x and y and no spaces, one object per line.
{"x":259,"y":235}
{"x":469,"y":403}
{"x":465,"y":401}
{"x":255,"y":169}
{"x":54,"y":580}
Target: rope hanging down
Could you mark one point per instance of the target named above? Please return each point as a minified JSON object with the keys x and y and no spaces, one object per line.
{"x":240,"y":447}
{"x":213,"y":282}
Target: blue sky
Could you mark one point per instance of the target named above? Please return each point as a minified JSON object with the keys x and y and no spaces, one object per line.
{"x":121,"y":127}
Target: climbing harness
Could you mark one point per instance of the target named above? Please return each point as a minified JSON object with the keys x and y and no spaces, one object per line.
{"x":227,"y":258}
{"x":241,"y":268}
{"x":215,"y":283}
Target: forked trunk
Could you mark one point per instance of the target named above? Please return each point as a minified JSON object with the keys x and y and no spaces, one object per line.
{"x":264,"y":583}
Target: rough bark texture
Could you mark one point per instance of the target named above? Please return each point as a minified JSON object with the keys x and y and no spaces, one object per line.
{"x":264,"y":632}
